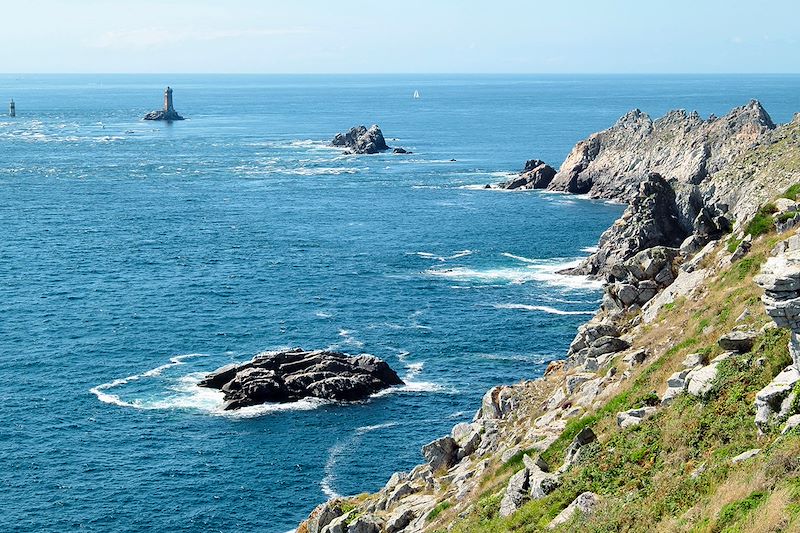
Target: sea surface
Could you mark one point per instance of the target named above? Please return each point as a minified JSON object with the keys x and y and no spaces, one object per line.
{"x":136,"y":256}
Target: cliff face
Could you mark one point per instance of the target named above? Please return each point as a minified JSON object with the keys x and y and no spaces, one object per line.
{"x":611,"y":163}
{"x":676,"y":406}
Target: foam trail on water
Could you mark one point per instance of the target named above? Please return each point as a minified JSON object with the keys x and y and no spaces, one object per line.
{"x":442,"y":258}
{"x":542,"y":308}
{"x":340,"y":449}
{"x":105,"y":397}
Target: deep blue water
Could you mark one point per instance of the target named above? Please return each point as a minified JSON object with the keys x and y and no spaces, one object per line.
{"x":136,"y":256}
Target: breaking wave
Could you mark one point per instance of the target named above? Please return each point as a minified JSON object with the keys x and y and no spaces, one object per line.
{"x":542,"y":308}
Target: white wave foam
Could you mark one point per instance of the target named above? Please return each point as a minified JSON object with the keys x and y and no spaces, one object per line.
{"x":542,"y":308}
{"x":478,"y":187}
{"x":114,"y":399}
{"x":320,"y":314}
{"x":457,"y":414}
{"x":520,"y":258}
{"x":590,"y":249}
{"x":455,"y":255}
{"x":376,"y":427}
{"x":542,"y":273}
{"x":255,"y":411}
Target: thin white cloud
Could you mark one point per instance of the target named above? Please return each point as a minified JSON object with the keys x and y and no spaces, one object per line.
{"x":157,"y":37}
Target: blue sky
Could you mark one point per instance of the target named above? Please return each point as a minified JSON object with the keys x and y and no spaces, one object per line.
{"x":353,"y":36}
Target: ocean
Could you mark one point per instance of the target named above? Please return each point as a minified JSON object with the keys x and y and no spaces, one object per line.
{"x":137,"y":256}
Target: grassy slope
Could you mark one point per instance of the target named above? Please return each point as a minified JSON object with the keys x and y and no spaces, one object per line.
{"x":644,"y":473}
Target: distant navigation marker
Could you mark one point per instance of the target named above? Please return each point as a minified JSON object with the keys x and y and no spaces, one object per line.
{"x":168,"y":113}
{"x":12,"y":109}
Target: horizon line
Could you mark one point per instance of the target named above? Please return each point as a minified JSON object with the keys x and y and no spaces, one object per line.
{"x":164,"y":73}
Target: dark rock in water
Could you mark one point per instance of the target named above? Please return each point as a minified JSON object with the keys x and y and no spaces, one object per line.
{"x":401,"y":150}
{"x":163,"y":115}
{"x":360,"y":140}
{"x":291,"y":375}
{"x":536,"y":175}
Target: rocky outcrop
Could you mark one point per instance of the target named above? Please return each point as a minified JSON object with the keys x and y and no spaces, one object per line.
{"x":362,"y":140}
{"x":583,"y":504}
{"x":291,"y":375}
{"x":530,"y":483}
{"x":780,"y":279}
{"x":651,"y":219}
{"x":536,"y":175}
{"x":679,"y":145}
{"x":168,"y":116}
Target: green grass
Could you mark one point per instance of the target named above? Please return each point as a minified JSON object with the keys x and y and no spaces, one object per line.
{"x":733,"y":244}
{"x":436,"y":511}
{"x":737,"y":511}
{"x":792,"y":192}
{"x":762,"y":222}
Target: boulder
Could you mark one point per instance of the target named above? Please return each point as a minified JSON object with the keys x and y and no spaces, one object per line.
{"x":361,"y":140}
{"x":291,"y":375}
{"x":608,"y":344}
{"x":441,"y":453}
{"x":516,"y":493}
{"x":738,"y":341}
{"x":536,"y":175}
{"x":633,"y":417}
{"x":401,"y":150}
{"x":467,"y":437}
{"x":744,"y":456}
{"x":700,"y":380}
{"x":585,"y":503}
{"x":586,"y":436}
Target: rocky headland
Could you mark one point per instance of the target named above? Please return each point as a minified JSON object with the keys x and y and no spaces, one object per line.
{"x":677,"y":405}
{"x":291,"y":375}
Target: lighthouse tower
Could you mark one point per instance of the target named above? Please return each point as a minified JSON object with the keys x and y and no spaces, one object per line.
{"x":12,"y":109}
{"x":168,"y":101}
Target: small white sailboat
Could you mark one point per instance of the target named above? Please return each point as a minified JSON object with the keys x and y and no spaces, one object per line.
{"x":416,"y":95}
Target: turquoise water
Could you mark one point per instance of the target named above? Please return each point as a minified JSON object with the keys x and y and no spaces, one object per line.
{"x":136,"y":256}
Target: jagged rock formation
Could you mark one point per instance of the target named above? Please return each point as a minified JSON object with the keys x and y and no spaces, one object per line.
{"x":362,"y":140}
{"x":536,"y":175}
{"x":685,"y":152}
{"x":780,"y":279}
{"x":292,"y":375}
{"x":679,"y":145}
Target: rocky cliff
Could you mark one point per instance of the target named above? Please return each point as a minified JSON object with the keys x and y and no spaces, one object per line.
{"x":676,"y":406}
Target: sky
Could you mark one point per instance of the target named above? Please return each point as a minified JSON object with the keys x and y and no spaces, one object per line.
{"x":401,"y":36}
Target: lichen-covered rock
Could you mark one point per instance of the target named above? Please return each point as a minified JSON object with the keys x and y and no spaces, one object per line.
{"x":650,"y":220}
{"x":584,"y":437}
{"x":585,"y":503}
{"x":633,"y":417}
{"x":516,"y":493}
{"x":441,"y":453}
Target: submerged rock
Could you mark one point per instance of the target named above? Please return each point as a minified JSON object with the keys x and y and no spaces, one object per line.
{"x":362,"y":140}
{"x":291,"y":375}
